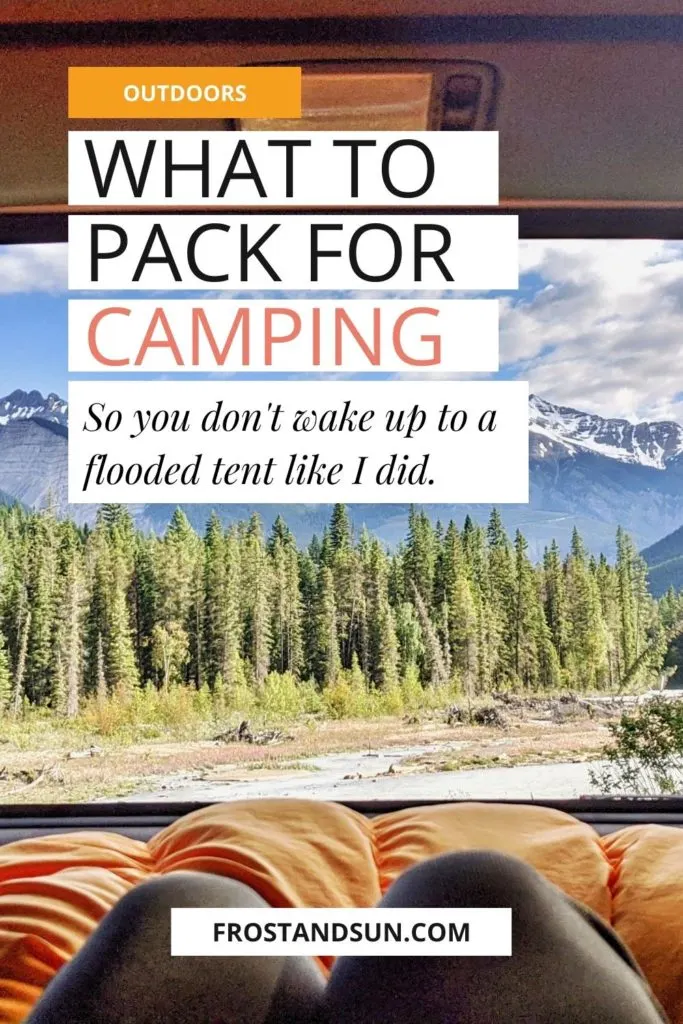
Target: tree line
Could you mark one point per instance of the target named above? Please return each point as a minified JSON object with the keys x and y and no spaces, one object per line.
{"x":87,"y":612}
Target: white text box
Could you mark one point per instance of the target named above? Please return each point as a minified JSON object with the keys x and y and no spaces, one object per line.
{"x":344,"y":931}
{"x":283,"y":168}
{"x":358,"y":335}
{"x":327,"y":252}
{"x":268,"y":442}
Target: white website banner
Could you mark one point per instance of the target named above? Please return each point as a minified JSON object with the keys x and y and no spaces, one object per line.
{"x":191,"y":168}
{"x":330,"y":252}
{"x":221,"y":442}
{"x":358,"y":335}
{"x":376,"y":931}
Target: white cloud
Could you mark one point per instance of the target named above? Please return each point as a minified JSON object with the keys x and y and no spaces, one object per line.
{"x":598,"y":325}
{"x":33,"y":268}
{"x":604,"y":332}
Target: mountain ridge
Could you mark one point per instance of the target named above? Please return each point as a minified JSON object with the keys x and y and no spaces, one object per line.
{"x":26,"y":405}
{"x":653,"y":443}
{"x":586,"y":470}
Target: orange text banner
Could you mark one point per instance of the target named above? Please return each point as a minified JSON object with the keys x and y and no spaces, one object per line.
{"x":161,"y":92}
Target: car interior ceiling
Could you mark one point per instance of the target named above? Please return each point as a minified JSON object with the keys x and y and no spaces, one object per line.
{"x":590,"y":120}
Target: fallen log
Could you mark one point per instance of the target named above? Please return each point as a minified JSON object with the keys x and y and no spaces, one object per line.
{"x":243,"y":733}
{"x":50,"y":773}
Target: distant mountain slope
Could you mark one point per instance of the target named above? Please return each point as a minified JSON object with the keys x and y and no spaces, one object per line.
{"x":665,"y":562}
{"x":585,"y":471}
{"x":33,"y":466}
{"x":33,"y":462}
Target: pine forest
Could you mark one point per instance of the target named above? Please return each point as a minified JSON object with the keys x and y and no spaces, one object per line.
{"x":107,"y":611}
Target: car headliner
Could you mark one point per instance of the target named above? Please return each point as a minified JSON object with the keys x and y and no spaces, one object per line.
{"x":589,"y":107}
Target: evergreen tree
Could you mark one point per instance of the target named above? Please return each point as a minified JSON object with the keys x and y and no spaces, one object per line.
{"x":409,"y":635}
{"x":5,"y":677}
{"x":587,"y":632}
{"x":463,"y":628}
{"x":217,"y":608}
{"x":381,"y":646}
{"x":121,"y":668}
{"x":329,"y":662}
{"x":147,"y":593}
{"x":257,"y":590}
{"x":344,"y":561}
{"x":624,"y":571}
{"x":40,"y":585}
{"x":98,"y":561}
{"x":435,"y":670}
{"x":501,"y":638}
{"x":67,"y":668}
{"x":309,"y":591}
{"x":387,"y":668}
{"x":100,"y":677}
{"x":20,"y":671}
{"x":287,"y":652}
{"x":419,"y":559}
{"x":340,"y":529}
{"x":555,"y":600}
{"x":529,"y":628}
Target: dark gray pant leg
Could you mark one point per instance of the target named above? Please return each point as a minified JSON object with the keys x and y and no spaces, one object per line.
{"x":562,"y":969}
{"x":125,"y":973}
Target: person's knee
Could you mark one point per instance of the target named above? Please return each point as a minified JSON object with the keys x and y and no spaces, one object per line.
{"x":475,"y":878}
{"x":157,"y":895}
{"x":151,"y":902}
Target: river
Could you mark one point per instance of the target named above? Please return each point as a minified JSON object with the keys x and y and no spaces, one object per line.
{"x":376,"y":776}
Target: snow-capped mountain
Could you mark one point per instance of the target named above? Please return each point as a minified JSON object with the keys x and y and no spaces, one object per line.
{"x":29,"y":405}
{"x":585,"y":470}
{"x":560,"y":432}
{"x":596,"y":473}
{"x":556,"y":431}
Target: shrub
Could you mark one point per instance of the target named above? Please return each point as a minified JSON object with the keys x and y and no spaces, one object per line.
{"x":311,"y":697}
{"x":203,"y":703}
{"x":281,"y":697}
{"x":104,"y":717}
{"x":411,"y":689}
{"x":348,"y":696}
{"x":340,"y":700}
{"x":646,"y":757}
{"x":239,"y":697}
{"x":145,"y":712}
{"x":391,"y":700}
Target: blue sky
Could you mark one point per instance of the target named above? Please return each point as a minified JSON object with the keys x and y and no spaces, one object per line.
{"x":597,"y":325}
{"x":33,"y":338}
{"x":40,"y":321}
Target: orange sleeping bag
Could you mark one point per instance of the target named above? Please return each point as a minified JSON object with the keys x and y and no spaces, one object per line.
{"x":55,"y":890}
